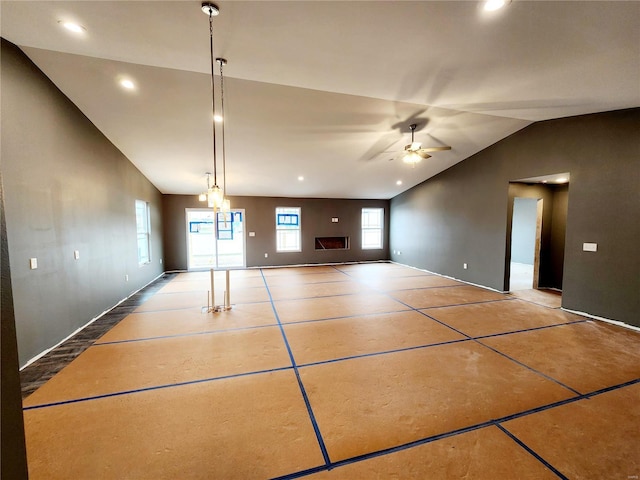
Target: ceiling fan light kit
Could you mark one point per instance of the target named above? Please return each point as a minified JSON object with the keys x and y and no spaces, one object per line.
{"x":414,"y":152}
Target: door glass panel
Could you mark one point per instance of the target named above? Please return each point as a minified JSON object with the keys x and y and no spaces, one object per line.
{"x":212,"y":245}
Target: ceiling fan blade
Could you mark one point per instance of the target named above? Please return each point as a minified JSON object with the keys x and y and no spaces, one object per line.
{"x":423,"y":154}
{"x":434,"y":149}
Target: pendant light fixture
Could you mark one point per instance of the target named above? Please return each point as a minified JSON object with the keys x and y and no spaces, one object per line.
{"x":214,"y":195}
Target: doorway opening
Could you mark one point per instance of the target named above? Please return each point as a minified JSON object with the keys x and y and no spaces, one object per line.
{"x":536,"y":225}
{"x":526,"y":231}
{"x":215,"y":244}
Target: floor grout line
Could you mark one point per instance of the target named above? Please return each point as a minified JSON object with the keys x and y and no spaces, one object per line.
{"x":479,"y":302}
{"x":518,"y":362}
{"x":421,"y":311}
{"x":154,"y":387}
{"x":179,"y":335}
{"x":532,"y":452}
{"x":303,"y":391}
{"x":532,"y":329}
{"x":515,"y":297}
{"x":476,"y":340}
{"x":415,"y":443}
{"x":384,"y":352}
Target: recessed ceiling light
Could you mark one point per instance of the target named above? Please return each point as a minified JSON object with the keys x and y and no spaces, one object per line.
{"x":128,"y":84}
{"x":217,"y":118}
{"x":72,"y":26}
{"x":492,"y":5}
{"x":399,"y":182}
{"x":300,"y":178}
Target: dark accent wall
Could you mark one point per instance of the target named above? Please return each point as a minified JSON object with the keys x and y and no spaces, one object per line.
{"x":316,"y":217}
{"x":13,"y":460}
{"x":66,"y":188}
{"x":461,"y":214}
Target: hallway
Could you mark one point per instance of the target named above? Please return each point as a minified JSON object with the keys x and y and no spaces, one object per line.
{"x":354,"y":371}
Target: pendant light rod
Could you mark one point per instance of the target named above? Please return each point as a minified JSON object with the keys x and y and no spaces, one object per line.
{"x":212,"y":10}
{"x":222,"y":62}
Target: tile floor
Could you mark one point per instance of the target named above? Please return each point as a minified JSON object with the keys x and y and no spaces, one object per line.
{"x":356,"y":371}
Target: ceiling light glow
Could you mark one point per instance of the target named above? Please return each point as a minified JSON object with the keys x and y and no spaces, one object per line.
{"x":128,"y":84}
{"x":411,"y":158}
{"x":493,"y":5}
{"x":562,"y":180}
{"x":399,"y":182}
{"x":217,"y":118}
{"x":73,"y":27}
{"x":300,"y":178}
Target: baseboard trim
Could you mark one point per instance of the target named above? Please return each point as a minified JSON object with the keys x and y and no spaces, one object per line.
{"x":603,"y":319}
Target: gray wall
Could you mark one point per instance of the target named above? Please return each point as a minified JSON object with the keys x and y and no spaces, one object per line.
{"x":66,"y":188}
{"x":260,"y":218}
{"x":523,"y":231}
{"x":461,"y":215}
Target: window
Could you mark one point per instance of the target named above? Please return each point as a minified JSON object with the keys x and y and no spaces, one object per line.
{"x":372,"y":227}
{"x":143,"y":227}
{"x":288,"y":229}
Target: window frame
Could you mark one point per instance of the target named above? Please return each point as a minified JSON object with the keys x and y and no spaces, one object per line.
{"x":367,"y":229}
{"x":143,"y":235}
{"x":291,"y":222}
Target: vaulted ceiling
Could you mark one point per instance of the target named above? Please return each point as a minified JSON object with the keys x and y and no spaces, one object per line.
{"x":327,"y":89}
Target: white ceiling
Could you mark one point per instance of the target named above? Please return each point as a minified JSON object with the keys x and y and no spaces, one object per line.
{"x":323,"y":88}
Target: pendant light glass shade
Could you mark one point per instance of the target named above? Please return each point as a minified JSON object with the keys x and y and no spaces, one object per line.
{"x":215,"y":196}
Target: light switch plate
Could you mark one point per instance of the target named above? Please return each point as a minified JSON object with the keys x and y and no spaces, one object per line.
{"x":252,"y":234}
{"x":590,"y":247}
{"x":76,"y":254}
{"x":33,"y":263}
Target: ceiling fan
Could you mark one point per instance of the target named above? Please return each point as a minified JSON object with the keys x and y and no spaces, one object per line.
{"x":414,"y":152}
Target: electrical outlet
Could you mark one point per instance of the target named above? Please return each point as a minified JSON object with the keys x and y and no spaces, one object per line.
{"x":76,"y":254}
{"x":126,"y":278}
{"x":266,"y":255}
{"x":464,"y":265}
